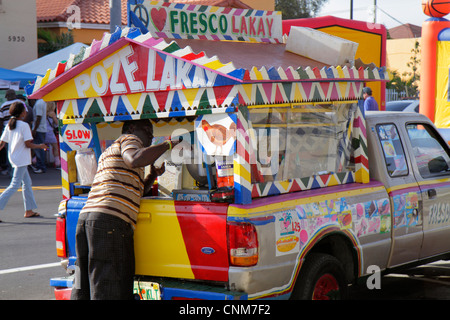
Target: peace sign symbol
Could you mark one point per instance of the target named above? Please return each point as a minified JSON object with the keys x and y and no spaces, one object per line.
{"x":142,"y":13}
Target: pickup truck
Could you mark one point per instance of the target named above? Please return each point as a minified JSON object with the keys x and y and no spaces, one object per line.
{"x":307,"y":244}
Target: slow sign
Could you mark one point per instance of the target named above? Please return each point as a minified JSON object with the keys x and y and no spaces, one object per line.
{"x":78,"y":136}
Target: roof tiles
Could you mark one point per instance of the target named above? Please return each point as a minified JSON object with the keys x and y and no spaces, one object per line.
{"x":91,"y":11}
{"x":97,"y":11}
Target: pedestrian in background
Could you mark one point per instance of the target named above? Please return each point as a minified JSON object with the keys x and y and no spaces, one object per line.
{"x":39,"y":131}
{"x":17,"y":135}
{"x":29,"y":117}
{"x":52,"y":128}
{"x":370,"y":104}
{"x":11,"y":97}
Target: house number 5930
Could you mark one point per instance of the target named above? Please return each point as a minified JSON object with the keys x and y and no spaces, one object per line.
{"x":16,"y":38}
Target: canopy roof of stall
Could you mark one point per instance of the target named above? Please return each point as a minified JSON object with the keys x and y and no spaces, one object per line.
{"x":19,"y":78}
{"x":234,"y":62}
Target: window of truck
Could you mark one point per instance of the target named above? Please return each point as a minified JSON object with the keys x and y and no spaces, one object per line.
{"x":301,"y":140}
{"x":430,"y":151}
{"x":394,"y":155}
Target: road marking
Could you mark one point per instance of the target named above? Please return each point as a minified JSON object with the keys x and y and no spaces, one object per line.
{"x":38,"y":266}
{"x":36,"y":188}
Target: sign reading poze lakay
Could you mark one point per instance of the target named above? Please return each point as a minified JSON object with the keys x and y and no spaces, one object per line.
{"x":174,"y":20}
{"x":133,"y":69}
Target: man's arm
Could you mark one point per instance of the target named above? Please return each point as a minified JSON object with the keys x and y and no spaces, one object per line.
{"x":150,"y":179}
{"x":135,"y":158}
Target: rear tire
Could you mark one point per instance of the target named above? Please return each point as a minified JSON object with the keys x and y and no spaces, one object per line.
{"x":321,"y":278}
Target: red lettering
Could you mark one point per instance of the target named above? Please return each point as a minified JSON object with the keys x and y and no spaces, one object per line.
{"x":78,"y":134}
{"x":233,"y":25}
{"x":251,"y":24}
{"x":261,"y":28}
{"x":244,"y":26}
{"x":269,"y":26}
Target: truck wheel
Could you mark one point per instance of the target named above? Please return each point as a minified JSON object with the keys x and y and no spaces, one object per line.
{"x":321,"y":278}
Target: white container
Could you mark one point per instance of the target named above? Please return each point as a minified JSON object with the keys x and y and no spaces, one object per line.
{"x":320,"y":46}
{"x":86,"y":166}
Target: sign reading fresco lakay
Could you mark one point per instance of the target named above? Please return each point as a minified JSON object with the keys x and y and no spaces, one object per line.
{"x":174,"y":20}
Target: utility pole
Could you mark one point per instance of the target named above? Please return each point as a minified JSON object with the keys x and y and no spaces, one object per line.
{"x":374,"y":11}
{"x":351,"y":9}
{"x":115,"y":13}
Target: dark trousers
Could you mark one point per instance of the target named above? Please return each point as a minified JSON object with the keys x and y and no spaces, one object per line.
{"x":105,"y":258}
{"x":40,"y":153}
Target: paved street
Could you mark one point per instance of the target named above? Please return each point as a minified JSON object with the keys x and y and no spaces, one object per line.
{"x":28,"y":258}
{"x":30,"y":242}
{"x":428,"y":282}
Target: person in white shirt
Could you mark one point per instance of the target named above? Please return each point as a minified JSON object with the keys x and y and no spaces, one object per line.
{"x":17,"y":135}
{"x":11,"y":97}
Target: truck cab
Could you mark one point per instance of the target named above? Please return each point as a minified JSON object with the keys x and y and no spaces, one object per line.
{"x":410,"y":157}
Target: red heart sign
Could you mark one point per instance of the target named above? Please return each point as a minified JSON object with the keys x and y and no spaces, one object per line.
{"x":159,"y":17}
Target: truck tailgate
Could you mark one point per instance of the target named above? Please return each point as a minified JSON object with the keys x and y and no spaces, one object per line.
{"x":182,"y":240}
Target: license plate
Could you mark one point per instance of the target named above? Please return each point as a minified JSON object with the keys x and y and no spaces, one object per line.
{"x":147,"y":290}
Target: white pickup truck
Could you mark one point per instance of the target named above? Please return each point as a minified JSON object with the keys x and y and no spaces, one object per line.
{"x":301,"y":245}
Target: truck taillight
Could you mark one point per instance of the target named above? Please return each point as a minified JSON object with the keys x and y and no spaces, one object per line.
{"x":242,"y":244}
{"x":61,"y":236}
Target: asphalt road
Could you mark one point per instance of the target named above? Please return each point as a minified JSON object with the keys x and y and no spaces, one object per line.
{"x":28,"y":256}
{"x":427,"y":282}
{"x":27,"y":246}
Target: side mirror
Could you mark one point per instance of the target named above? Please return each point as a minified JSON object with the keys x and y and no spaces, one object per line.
{"x":437,"y":165}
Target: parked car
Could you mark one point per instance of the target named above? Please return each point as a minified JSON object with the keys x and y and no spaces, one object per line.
{"x":403,"y":105}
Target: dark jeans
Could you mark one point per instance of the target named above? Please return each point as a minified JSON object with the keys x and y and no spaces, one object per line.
{"x":40,"y":153}
{"x":105,"y":258}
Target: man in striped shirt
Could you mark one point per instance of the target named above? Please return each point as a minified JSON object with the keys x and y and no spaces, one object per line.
{"x":104,"y":236}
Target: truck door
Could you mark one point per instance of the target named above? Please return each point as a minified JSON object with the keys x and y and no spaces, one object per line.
{"x":432,"y":170}
{"x":404,"y":192}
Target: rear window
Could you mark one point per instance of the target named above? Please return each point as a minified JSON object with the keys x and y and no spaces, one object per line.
{"x":396,"y":106}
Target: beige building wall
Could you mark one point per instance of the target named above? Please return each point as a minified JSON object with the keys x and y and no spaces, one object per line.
{"x":86,"y":34}
{"x":18,"y":32}
{"x":399,"y":53}
{"x":267,"y":5}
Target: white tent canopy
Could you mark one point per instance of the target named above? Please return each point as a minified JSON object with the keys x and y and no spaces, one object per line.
{"x":49,"y":61}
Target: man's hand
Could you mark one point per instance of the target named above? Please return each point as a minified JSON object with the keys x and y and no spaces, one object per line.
{"x":158,"y":171}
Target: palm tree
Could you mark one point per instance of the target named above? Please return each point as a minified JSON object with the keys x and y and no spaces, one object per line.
{"x":52,"y":42}
{"x":294,"y":9}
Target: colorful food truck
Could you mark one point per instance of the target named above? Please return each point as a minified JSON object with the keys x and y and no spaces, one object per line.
{"x":272,"y":169}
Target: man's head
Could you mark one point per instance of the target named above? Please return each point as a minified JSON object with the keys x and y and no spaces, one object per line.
{"x":142,"y":128}
{"x":366,"y":92}
{"x":10,"y":95}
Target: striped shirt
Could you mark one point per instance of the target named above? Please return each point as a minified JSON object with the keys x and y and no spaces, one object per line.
{"x":4,"y":110}
{"x":117,"y":189}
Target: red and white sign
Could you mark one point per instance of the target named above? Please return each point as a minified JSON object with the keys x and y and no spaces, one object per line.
{"x":77,"y":136}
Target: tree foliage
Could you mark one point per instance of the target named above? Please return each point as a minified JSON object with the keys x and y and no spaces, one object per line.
{"x":408,"y":81}
{"x":51,"y":42}
{"x":294,"y":9}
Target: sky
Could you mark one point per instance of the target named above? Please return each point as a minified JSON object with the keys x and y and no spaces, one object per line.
{"x":391,"y":13}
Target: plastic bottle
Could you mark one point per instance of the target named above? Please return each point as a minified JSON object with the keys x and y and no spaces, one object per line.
{"x":225,"y":172}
